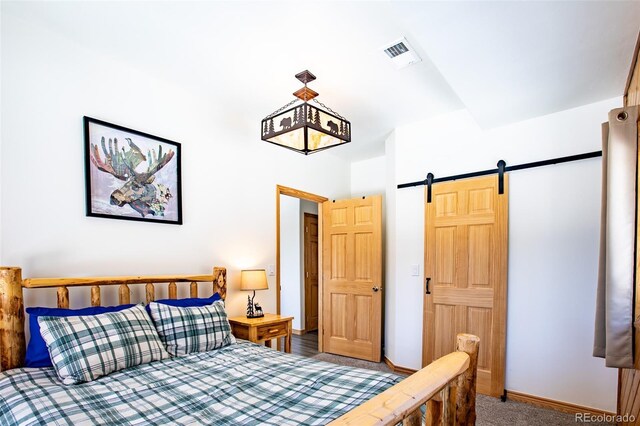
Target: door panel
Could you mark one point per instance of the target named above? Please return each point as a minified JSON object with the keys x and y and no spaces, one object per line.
{"x":352,"y":277}
{"x":363,"y":253}
{"x":445,"y":255}
{"x":338,"y":249}
{"x":466,"y":260}
{"x":363,"y":313}
{"x":479,"y":256}
{"x":339,"y":321}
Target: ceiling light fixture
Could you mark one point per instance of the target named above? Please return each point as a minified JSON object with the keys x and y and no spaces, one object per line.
{"x":303,"y":127}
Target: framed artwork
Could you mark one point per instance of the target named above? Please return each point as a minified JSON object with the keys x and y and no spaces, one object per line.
{"x":131,"y":175}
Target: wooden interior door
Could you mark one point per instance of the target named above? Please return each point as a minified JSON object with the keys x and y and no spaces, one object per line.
{"x":466,"y":232}
{"x":352,"y":277}
{"x":310,"y":272}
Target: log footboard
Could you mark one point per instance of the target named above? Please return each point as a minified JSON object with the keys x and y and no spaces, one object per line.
{"x":447,"y":386}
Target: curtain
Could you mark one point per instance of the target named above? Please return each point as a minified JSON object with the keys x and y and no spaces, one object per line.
{"x":616,"y":272}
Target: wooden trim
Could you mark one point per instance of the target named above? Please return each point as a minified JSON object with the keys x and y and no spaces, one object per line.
{"x":397,"y":368}
{"x":551,"y":404}
{"x":320,"y":286}
{"x":298,"y":332}
{"x":93,"y":281}
{"x":278,"y":249}
{"x":632,"y":68}
{"x":627,"y":390}
{"x":619,"y":392}
{"x":296,"y":193}
{"x":499,"y":309}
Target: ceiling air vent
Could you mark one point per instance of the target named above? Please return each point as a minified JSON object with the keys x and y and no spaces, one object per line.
{"x":401,"y":53}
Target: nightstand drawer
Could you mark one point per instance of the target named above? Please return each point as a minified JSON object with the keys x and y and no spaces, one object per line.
{"x":240,"y":331}
{"x":270,"y":331}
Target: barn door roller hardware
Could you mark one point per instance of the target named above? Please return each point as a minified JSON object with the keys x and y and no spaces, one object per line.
{"x":501,"y":170}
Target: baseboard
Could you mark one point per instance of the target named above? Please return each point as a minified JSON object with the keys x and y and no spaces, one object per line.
{"x":298,"y":332}
{"x":551,"y":404}
{"x":397,"y":368}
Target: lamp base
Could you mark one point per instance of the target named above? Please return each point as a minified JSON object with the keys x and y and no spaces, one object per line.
{"x":253,"y":311}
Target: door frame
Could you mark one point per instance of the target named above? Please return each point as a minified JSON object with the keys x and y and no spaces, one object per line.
{"x":318,"y":199}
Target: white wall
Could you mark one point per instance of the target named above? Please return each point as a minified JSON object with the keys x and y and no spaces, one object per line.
{"x":553,"y":244}
{"x":390,"y":248}
{"x":290,"y":260}
{"x":368,"y":177}
{"x":1,"y":260}
{"x":229,"y":175}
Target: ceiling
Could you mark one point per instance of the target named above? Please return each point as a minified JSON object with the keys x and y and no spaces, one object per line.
{"x":503,"y":61}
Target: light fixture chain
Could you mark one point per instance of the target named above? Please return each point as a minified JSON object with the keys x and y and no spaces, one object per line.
{"x":281,"y":109}
{"x":328,"y":109}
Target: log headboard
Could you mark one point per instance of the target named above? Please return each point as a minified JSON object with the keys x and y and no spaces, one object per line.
{"x":12,"y":315}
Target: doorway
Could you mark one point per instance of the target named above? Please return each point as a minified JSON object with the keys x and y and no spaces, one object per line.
{"x":310,"y":271}
{"x":298,"y":260}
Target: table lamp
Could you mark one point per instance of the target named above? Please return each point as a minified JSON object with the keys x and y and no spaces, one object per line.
{"x":253,"y":279}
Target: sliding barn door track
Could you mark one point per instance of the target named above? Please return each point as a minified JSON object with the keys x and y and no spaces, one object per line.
{"x":500,"y":170}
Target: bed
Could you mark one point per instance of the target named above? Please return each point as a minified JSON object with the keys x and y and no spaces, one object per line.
{"x":242,"y":383}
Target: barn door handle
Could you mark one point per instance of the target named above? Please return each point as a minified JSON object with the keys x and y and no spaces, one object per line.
{"x":376,"y":288}
{"x":426,"y":285}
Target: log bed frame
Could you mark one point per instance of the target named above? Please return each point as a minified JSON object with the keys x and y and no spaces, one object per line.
{"x":447,"y":386}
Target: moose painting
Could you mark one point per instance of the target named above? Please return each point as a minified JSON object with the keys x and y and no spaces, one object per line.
{"x":131,"y":175}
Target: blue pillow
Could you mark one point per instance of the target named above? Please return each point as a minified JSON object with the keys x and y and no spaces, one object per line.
{"x":187,"y":303}
{"x":37,"y":353}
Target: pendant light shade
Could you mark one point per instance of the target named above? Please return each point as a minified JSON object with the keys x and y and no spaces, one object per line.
{"x":304,"y":127}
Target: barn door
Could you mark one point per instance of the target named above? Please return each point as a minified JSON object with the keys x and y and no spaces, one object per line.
{"x":466,"y":274}
{"x":352,"y":277}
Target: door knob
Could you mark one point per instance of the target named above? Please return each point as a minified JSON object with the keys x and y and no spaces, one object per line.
{"x":375,"y":288}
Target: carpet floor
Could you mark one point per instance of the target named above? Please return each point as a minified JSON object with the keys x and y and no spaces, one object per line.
{"x":489,"y":411}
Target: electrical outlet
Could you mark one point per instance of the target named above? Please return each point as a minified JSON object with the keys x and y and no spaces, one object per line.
{"x":415,"y":270}
{"x":271,"y":270}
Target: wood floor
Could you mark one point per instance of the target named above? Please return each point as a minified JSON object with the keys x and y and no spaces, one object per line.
{"x":305,"y":345}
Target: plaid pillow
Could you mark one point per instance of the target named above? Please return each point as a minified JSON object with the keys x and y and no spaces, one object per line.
{"x":84,"y":348}
{"x":192,"y":329}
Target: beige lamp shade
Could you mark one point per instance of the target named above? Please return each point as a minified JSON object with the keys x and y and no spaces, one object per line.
{"x":253,"y":279}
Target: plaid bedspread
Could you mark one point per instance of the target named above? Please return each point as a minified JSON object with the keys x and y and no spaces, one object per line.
{"x":239,"y":384}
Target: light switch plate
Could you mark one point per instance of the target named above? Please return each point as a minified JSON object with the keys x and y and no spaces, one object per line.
{"x":271,"y":270}
{"x":415,"y":270}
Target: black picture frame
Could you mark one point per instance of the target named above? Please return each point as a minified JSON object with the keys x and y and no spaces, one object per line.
{"x":115,"y":157}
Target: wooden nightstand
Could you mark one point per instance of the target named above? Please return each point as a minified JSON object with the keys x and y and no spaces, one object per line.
{"x":263,"y":329}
